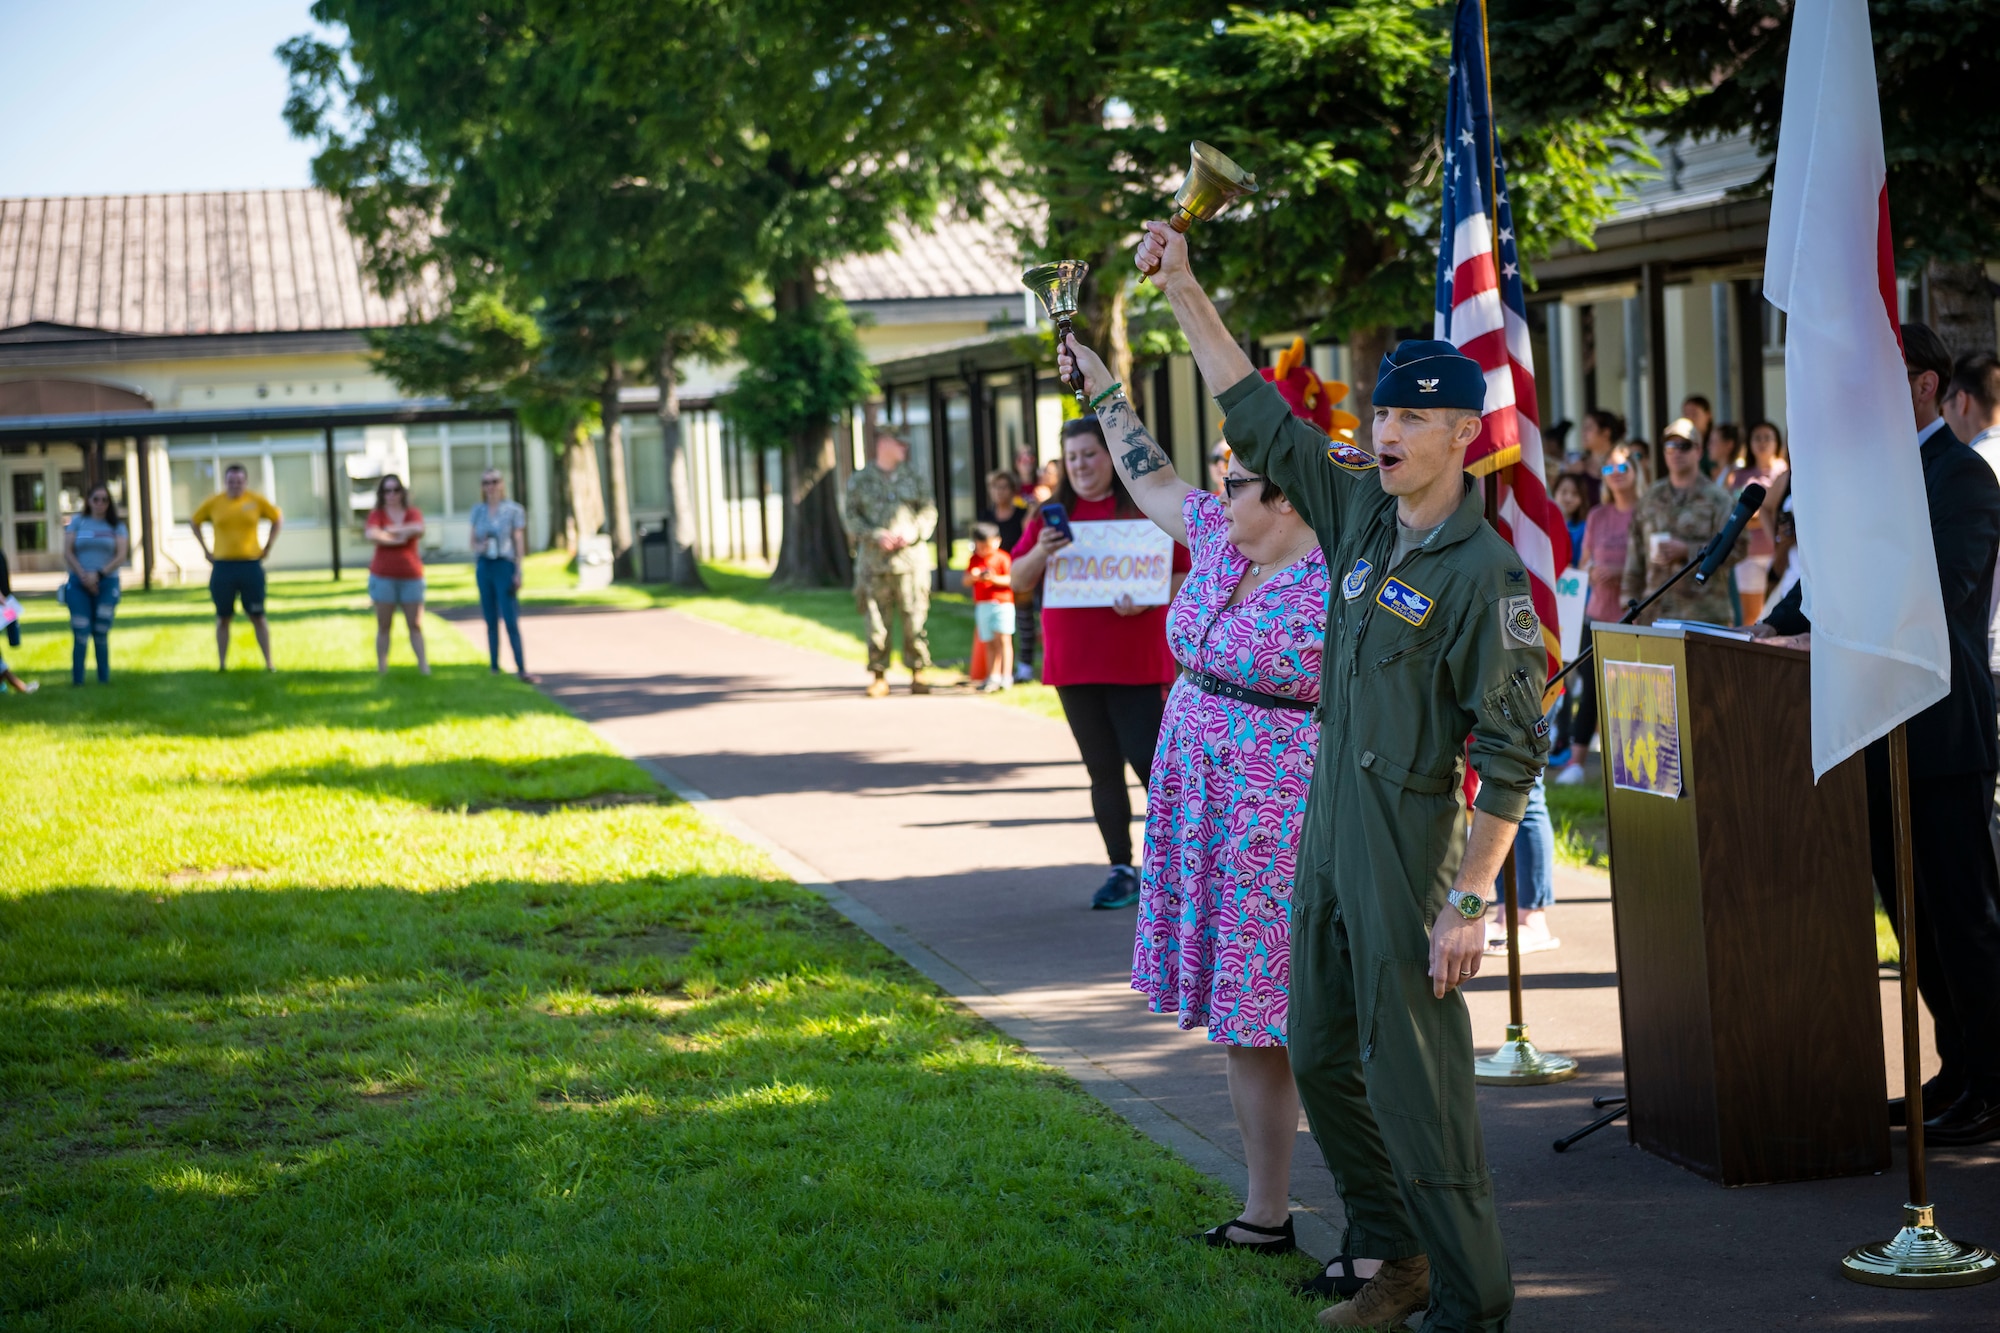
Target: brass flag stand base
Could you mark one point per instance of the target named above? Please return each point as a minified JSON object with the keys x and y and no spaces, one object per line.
{"x":1919,"y":1255}
{"x":1518,"y":1062}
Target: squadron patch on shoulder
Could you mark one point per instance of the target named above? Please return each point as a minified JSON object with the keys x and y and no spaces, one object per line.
{"x":1356,"y":581}
{"x":1342,"y":454}
{"x":1400,"y":599}
{"x":1518,"y":618}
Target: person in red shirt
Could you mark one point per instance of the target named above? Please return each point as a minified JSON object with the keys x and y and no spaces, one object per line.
{"x":1110,"y":665}
{"x":396,"y":573}
{"x":988,"y":573}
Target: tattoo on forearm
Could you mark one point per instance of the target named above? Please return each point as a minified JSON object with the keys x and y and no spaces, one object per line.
{"x":1142,"y":457}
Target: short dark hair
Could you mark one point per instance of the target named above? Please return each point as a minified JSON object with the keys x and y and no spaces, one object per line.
{"x":1609,"y":422}
{"x":1924,"y":350}
{"x":986,"y":531}
{"x":1699,"y":401}
{"x":237,"y":467}
{"x":1002,"y":474}
{"x":1977,"y":374}
{"x":1776,"y":434}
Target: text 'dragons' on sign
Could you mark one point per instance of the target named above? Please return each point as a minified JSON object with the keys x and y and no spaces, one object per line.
{"x":1642,"y":728}
{"x":1108,"y":561}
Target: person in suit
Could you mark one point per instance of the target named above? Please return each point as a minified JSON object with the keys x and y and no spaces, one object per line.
{"x":1954,"y":755}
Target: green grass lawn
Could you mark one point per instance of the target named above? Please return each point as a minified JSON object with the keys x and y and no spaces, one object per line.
{"x":330,"y":1001}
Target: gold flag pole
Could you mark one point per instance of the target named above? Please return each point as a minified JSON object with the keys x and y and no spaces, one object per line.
{"x":1919,"y":1255}
{"x":1518,"y":1061}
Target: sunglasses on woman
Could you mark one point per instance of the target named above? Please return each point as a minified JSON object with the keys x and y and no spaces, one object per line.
{"x":1614,"y":469}
{"x":1229,"y":484}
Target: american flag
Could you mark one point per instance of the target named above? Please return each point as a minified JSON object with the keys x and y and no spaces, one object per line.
{"x":1485,"y":315}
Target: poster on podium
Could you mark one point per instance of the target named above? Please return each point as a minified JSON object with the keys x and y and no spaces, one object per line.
{"x":1642,"y":728}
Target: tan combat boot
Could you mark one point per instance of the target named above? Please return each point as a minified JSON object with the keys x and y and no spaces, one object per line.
{"x":1400,"y":1289}
{"x":878,"y":688}
{"x":918,"y":685}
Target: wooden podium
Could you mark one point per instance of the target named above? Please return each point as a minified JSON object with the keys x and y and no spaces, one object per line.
{"x":1744,"y":909}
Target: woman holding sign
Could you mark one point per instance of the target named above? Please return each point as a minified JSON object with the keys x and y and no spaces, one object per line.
{"x":1108,"y":661}
{"x":1228,"y":793}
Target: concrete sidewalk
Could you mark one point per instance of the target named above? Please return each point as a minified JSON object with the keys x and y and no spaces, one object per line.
{"x":959,"y":830}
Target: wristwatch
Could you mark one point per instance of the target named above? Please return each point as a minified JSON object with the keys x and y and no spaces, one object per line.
{"x":1469,"y":905}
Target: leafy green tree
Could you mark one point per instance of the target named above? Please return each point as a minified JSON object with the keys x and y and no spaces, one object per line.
{"x":1338,"y":109}
{"x":1699,"y":67}
{"x":830,"y":124}
{"x":485,"y":353}
{"x":478,"y":140}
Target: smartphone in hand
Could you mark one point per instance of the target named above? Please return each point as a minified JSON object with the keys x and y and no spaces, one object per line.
{"x":1056,"y":517}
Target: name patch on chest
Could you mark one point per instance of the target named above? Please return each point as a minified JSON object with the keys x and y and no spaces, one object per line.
{"x":1356,"y":581}
{"x":1399,"y":598}
{"x":1341,"y":454}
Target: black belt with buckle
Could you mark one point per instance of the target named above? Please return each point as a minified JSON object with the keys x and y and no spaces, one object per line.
{"x":1208,"y":684}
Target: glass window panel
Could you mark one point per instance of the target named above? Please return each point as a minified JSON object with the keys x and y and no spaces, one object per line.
{"x":30,"y":494}
{"x":297,"y":488}
{"x":426,"y":479}
{"x":469,"y":461}
{"x":964,"y":492}
{"x":70,"y":493}
{"x":192,"y":480}
{"x":646,"y":459}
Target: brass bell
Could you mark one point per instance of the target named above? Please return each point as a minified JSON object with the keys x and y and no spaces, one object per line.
{"x":1060,"y":289}
{"x":1213,"y":183}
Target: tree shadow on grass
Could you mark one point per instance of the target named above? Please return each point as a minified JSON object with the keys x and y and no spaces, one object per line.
{"x":476,"y":786}
{"x":243,"y":703}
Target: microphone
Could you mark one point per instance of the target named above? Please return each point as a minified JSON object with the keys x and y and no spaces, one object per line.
{"x":1747,"y":505}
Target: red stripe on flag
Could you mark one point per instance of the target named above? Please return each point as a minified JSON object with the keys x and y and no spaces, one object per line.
{"x":1885,"y":262}
{"x":1473,"y":275}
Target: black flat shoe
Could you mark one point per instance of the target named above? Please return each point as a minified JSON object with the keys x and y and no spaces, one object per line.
{"x":1972,"y":1119}
{"x":1283,"y":1239}
{"x":1327,"y":1285}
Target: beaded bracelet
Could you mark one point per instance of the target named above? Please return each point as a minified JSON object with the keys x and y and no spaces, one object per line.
{"x":1115,"y":387}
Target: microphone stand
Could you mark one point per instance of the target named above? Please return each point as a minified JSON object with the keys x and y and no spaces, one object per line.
{"x":1614,"y":1107}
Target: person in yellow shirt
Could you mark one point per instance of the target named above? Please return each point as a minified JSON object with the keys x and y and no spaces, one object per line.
{"x":236,"y":564}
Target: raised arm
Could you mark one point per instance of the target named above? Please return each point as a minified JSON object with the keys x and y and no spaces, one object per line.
{"x":1156,"y":488}
{"x":1216,"y":354}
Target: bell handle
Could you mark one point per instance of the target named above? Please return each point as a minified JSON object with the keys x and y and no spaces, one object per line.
{"x":1065,"y":329}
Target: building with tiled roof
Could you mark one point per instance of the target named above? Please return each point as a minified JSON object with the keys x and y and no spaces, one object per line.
{"x":238,"y":321}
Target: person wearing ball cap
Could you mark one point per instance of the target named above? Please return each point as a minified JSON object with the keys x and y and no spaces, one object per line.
{"x":1431,"y":638}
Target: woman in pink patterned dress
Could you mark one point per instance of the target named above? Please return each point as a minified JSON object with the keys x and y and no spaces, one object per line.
{"x":1228,"y":788}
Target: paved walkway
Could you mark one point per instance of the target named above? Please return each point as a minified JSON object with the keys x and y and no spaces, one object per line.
{"x":959,"y":830}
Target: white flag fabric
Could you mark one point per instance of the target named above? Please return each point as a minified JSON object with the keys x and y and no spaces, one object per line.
{"x":1880,"y":653}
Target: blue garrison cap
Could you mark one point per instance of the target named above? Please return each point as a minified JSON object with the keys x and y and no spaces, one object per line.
{"x":1424,"y":372}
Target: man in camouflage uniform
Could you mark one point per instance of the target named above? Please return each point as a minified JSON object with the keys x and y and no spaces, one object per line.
{"x":891,"y":516}
{"x":1687,"y":509}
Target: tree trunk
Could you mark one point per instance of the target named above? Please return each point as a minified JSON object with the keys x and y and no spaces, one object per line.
{"x":1366,"y":348}
{"x":1108,"y":335}
{"x":1962,"y":306}
{"x":586,"y":494}
{"x":614,"y":458}
{"x":813,"y":553}
{"x":683,"y":567}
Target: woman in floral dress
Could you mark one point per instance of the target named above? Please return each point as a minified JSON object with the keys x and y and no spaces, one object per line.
{"x":1228,"y":789}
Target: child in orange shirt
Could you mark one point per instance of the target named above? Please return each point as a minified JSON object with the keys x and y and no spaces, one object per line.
{"x":992,"y":604}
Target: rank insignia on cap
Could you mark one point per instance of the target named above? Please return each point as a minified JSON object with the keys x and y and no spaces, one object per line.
{"x":1428,"y":386}
{"x":1356,"y":581}
{"x":1403,"y":600}
{"x":1517,"y":614}
{"x":1349,"y":457}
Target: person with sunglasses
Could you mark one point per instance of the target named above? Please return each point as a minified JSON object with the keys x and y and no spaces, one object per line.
{"x":499,"y":546}
{"x":1675,"y":518}
{"x":95,"y":546}
{"x":396,"y":573}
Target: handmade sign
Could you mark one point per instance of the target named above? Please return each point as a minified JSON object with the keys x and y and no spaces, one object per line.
{"x":1108,"y":561}
{"x":1642,"y":728}
{"x":1572,"y":597}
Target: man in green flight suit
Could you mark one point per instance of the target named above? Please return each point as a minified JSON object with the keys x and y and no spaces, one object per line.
{"x":1431,"y":638}
{"x":891,"y":516}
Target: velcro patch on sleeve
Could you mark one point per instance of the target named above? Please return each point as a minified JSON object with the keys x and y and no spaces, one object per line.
{"x":1342,"y":454}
